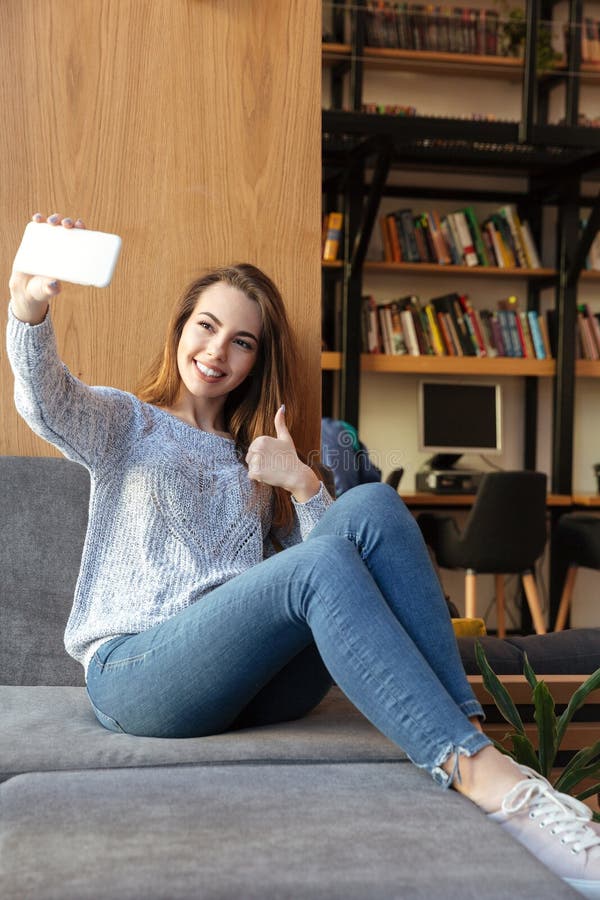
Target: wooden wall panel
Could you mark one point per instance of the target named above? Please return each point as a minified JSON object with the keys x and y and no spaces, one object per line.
{"x":189,"y":127}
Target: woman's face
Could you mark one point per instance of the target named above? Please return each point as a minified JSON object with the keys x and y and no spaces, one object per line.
{"x":219,"y":342}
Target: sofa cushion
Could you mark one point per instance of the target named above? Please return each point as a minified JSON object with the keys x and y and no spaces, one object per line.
{"x":256,"y":831}
{"x":572,"y":652}
{"x":53,"y":728}
{"x":43,"y":519}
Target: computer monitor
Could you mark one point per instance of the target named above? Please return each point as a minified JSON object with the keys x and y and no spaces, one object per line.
{"x":457,"y":417}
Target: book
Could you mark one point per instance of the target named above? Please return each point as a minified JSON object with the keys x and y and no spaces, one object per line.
{"x":536,"y":334}
{"x":533,"y":259}
{"x":472,"y":326}
{"x":436,"y":337}
{"x":410,"y":334}
{"x":386,"y":239}
{"x":545,"y":336}
{"x":464,"y":238}
{"x":478,"y":243}
{"x":510,"y":214}
{"x":441,"y":252}
{"x":406,"y":231}
{"x":333,"y":236}
{"x":398,"y":342}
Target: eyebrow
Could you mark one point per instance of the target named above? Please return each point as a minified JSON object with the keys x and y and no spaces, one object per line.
{"x":218,"y":322}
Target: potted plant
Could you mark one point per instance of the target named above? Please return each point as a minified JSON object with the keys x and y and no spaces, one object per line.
{"x":512,"y":35}
{"x":551,"y":728}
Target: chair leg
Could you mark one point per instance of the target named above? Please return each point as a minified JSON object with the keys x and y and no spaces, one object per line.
{"x":566,"y":597}
{"x":534,"y":602}
{"x":500,"y":617}
{"x":470,"y":595}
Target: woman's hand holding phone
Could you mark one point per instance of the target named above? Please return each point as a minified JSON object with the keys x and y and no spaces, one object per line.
{"x":30,"y":294}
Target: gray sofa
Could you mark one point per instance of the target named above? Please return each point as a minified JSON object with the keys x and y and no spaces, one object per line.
{"x":323,"y":807}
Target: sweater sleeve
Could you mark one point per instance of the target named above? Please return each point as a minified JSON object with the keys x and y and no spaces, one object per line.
{"x":87,"y":424}
{"x":306,"y":516}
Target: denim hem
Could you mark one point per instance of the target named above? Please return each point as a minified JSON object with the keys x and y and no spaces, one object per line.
{"x":472,"y":745}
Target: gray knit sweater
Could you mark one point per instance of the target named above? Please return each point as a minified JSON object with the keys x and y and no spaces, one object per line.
{"x":172,"y":512}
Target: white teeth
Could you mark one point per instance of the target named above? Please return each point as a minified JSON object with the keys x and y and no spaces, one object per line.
{"x":212,"y":373}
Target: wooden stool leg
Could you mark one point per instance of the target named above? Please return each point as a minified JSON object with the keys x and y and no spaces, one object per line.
{"x":470,"y":597}
{"x":566,"y":597}
{"x":500,"y":617}
{"x":534,"y":602}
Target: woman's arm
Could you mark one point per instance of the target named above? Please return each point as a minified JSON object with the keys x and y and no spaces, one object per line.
{"x":86,"y":424}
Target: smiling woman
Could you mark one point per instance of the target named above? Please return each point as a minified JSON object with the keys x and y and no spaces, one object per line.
{"x":186,"y":619}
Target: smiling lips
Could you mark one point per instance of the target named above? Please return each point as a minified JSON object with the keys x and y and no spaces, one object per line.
{"x":212,"y":374}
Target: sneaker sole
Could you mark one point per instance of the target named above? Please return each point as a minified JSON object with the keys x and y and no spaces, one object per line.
{"x":589,"y":889}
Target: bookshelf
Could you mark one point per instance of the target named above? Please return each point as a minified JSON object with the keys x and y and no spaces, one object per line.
{"x":370,"y":157}
{"x":363,"y":151}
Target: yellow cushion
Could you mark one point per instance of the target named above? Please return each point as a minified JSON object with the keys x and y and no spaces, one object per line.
{"x":469,"y":627}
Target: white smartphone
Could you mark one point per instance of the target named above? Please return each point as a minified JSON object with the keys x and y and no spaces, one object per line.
{"x":68,"y":254}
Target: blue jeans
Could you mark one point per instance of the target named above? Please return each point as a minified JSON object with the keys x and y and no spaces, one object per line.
{"x":357,"y":602}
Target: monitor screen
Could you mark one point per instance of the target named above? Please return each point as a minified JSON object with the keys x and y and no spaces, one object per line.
{"x":460,"y":417}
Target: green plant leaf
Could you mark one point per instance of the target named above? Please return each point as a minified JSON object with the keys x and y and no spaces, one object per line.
{"x":577,"y":700}
{"x":584,"y":764}
{"x":529,"y":673}
{"x":547,"y":728}
{"x":589,"y":792}
{"x":524,"y":752}
{"x":494,"y":686}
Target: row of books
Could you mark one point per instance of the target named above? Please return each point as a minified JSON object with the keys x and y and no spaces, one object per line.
{"x":502,"y":239}
{"x":449,"y":326}
{"x":417,"y":26}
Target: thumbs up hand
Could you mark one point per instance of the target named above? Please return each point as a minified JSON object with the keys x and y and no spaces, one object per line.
{"x":274,"y":461}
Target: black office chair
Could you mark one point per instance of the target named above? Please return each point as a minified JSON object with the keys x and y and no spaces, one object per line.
{"x":505,"y":533}
{"x":577,"y":543}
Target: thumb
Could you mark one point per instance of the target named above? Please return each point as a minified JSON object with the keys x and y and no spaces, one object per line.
{"x":41,"y":288}
{"x":281,"y":429}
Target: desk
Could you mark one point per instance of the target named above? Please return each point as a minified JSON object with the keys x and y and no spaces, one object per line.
{"x":425,"y":498}
{"x":590,"y":500}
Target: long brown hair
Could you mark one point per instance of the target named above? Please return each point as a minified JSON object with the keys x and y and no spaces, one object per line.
{"x":249,"y":409}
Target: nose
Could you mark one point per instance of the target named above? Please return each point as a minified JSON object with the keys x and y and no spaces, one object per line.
{"x":217,"y":347}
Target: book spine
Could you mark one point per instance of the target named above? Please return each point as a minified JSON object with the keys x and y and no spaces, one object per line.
{"x":442,"y":253}
{"x":398,"y":341}
{"x":410,"y":335}
{"x":385,"y":239}
{"x":465,"y":239}
{"x":453,"y":249}
{"x":509,"y":212}
{"x":436,"y":337}
{"x":533,"y":258}
{"x":480,"y":248}
{"x":444,"y":328}
{"x":333,"y":237}
{"x":503,"y":319}
{"x":392,"y":227}
{"x":406,"y":225}
{"x":498,"y":336}
{"x":536,"y":334}
{"x":520,"y":335}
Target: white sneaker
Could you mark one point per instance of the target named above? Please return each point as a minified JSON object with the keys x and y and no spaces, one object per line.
{"x":556,"y":829}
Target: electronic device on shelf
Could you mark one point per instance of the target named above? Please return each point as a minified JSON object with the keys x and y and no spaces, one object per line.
{"x":455,"y":418}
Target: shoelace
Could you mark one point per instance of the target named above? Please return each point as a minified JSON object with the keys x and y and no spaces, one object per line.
{"x":568,"y":817}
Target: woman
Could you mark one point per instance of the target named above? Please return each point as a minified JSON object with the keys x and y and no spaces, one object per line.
{"x":187,"y":621}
